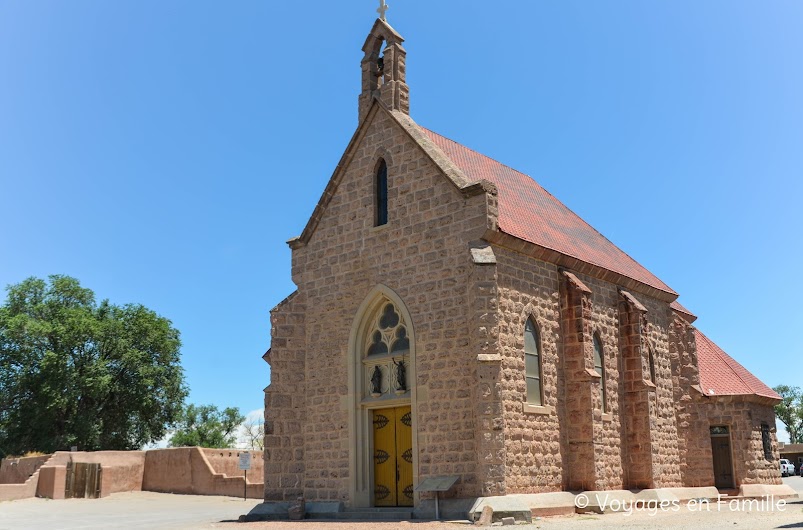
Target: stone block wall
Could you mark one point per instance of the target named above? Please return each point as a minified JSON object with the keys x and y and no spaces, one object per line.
{"x":422,"y":255}
{"x":744,"y":416}
{"x":694,"y":441}
{"x":529,"y":289}
{"x":696,"y":412}
{"x":604,"y":322}
{"x":663,"y":426}
{"x":468,"y":317}
{"x":286,"y":402}
{"x":570,"y":443}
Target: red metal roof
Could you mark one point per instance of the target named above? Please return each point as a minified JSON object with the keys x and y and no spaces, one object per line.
{"x":721,"y":375}
{"x":529,"y":212}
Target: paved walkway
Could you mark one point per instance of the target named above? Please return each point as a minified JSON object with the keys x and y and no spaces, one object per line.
{"x":141,"y":509}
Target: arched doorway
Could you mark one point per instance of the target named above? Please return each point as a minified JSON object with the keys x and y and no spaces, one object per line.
{"x":383,"y":453}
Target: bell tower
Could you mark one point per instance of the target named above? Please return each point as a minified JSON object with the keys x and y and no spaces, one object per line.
{"x":384,"y":70}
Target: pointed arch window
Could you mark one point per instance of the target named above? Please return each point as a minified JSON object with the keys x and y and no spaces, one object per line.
{"x":532,"y":363}
{"x":651,"y":360}
{"x":386,"y":355}
{"x":381,"y":194}
{"x":599,"y":366}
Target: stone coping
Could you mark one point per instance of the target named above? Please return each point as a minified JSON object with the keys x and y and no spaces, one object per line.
{"x":779,"y":491}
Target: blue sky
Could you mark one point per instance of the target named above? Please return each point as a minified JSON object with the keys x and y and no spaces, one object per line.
{"x":163,"y":152}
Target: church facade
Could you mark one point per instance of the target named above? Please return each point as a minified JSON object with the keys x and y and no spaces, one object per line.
{"x":454,"y":319}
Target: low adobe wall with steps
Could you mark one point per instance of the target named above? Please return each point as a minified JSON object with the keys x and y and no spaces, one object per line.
{"x":19,"y":470}
{"x":197,"y":471}
{"x":188,"y":470}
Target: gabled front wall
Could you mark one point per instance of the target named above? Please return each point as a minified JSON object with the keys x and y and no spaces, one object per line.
{"x":422,"y":255}
{"x":469,"y":413}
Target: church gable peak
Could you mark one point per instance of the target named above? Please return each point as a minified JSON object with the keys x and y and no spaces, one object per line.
{"x":384,"y":70}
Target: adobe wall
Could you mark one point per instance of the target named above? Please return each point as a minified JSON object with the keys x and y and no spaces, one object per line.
{"x":51,"y":483}
{"x":227,"y":461}
{"x":122,"y":470}
{"x":18,"y":470}
{"x":189,"y":470}
{"x":12,"y":492}
{"x":422,"y":254}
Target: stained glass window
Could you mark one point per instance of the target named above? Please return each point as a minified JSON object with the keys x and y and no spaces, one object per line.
{"x":532,"y":363}
{"x":388,"y":333}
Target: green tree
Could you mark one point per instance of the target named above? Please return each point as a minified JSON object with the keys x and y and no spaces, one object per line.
{"x":790,"y":411}
{"x":206,"y":426}
{"x":77,"y":373}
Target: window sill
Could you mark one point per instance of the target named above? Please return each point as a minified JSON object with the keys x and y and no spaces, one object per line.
{"x":379,"y":228}
{"x":607,"y":416}
{"x":529,"y":408}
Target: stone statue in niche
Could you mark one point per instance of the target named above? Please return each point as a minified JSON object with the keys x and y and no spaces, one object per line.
{"x":376,"y":382}
{"x":401,"y":377}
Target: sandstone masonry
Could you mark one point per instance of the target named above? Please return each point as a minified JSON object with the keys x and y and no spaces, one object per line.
{"x":464,"y":287}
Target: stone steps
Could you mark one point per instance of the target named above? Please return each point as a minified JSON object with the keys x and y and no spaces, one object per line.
{"x":366,"y":514}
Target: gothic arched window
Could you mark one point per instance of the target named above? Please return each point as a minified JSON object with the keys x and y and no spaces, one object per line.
{"x":387,"y":349}
{"x":382,"y":194}
{"x":599,"y":366}
{"x":651,"y":360}
{"x":532,"y":363}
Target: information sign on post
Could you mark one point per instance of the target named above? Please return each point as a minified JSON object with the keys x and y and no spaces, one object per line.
{"x":245,"y":465}
{"x":245,"y":461}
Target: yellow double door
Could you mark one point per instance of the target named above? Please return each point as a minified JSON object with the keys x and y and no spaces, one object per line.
{"x":393,"y":457}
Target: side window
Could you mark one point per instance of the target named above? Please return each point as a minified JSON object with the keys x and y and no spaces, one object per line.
{"x":532,"y":363}
{"x":599,"y":366}
{"x":381,"y":194}
{"x":651,"y":360}
{"x":765,"y":441}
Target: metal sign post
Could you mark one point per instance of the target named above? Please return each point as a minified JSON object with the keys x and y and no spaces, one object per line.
{"x":245,"y":465}
{"x":437,"y":484}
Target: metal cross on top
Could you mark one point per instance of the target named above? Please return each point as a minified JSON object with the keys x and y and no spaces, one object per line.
{"x":382,"y":8}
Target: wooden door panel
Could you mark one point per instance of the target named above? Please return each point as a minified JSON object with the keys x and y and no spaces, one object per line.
{"x":404,"y":450}
{"x":384,"y":458}
{"x":393,"y":457}
{"x":723,"y":465}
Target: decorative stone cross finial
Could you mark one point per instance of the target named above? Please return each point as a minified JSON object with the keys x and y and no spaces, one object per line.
{"x":382,"y":8}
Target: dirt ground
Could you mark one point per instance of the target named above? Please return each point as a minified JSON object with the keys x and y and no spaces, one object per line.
{"x":719,"y":517}
{"x":147,"y":510}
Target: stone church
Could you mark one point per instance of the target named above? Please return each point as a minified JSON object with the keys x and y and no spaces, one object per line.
{"x":454,"y":319}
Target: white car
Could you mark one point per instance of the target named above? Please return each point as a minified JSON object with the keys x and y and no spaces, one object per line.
{"x":787,"y":468}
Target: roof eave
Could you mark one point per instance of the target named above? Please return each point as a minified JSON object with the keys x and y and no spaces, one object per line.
{"x":576,"y":265}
